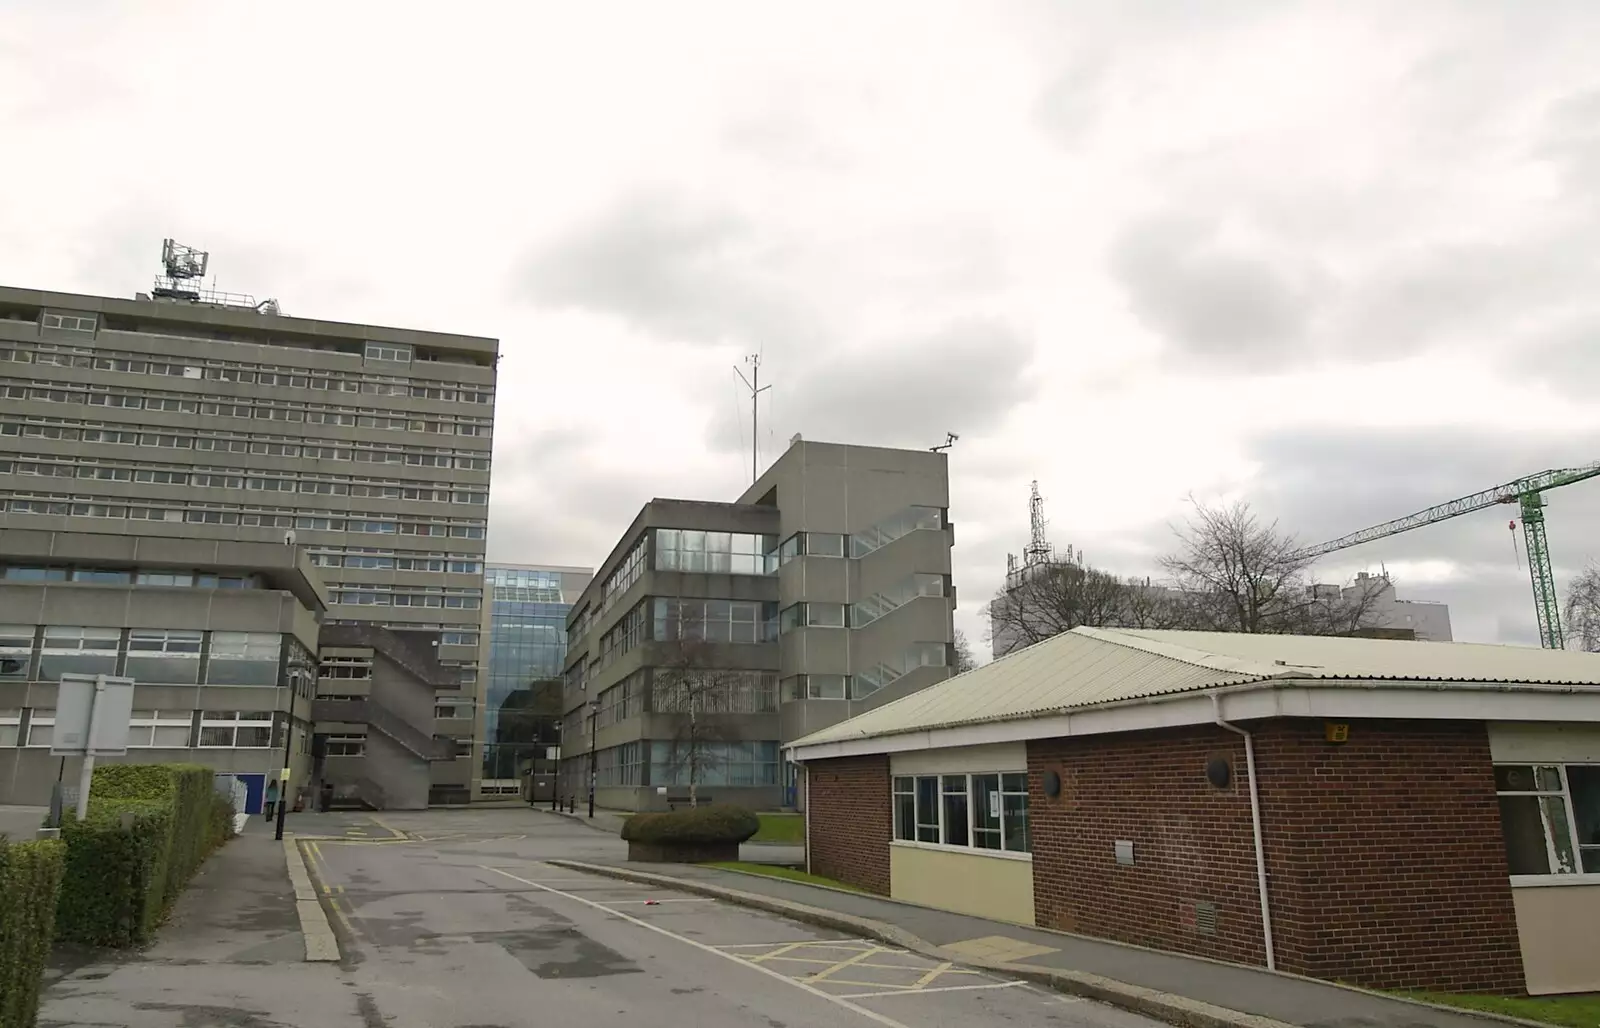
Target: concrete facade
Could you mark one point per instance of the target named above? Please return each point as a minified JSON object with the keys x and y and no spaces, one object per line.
{"x":368,"y":446}
{"x":224,"y":663}
{"x":822,"y":591}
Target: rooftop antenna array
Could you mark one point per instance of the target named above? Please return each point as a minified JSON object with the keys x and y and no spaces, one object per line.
{"x":753,"y":383}
{"x":183,"y":269}
{"x":950,"y":439}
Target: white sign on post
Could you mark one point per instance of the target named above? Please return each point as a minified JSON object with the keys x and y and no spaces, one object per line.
{"x":92,"y":714}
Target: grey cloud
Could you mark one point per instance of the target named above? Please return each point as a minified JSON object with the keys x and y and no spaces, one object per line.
{"x":1572,"y":141}
{"x":672,"y":266}
{"x":1209,"y":301}
{"x":1067,"y":107}
{"x":963,"y":378}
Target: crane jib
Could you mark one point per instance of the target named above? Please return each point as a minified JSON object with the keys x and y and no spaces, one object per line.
{"x":1525,"y":491}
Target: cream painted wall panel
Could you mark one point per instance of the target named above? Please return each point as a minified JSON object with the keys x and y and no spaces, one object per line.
{"x":1559,"y":926}
{"x":967,"y":883}
{"x":1543,"y":741}
{"x":1005,"y":756}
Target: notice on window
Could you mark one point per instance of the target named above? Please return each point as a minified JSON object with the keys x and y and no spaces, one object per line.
{"x":994,"y":804}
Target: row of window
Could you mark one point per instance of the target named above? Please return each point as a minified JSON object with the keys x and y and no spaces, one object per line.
{"x":387,"y":560}
{"x":737,"y":621}
{"x":1550,"y":817}
{"x":976,"y":811}
{"x":922,"y":654}
{"x":113,"y":576}
{"x":449,"y":635}
{"x":170,"y":729}
{"x":168,"y":656}
{"x":58,"y":504}
{"x":369,"y":595}
{"x":623,"y":636}
{"x":134,"y":362}
{"x":727,"y":553}
{"x":240,"y":407}
{"x":77,"y":430}
{"x":625,"y":574}
{"x":235,"y":478}
{"x":673,"y":762}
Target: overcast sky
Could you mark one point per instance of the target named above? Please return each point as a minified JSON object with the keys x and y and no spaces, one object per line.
{"x":1336,"y":259}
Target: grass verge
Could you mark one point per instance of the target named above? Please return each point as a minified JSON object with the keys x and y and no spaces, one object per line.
{"x":790,"y":828}
{"x":1576,"y":1011}
{"x":787,"y":873}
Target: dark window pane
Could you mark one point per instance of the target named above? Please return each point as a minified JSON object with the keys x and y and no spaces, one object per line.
{"x":1584,"y":782}
{"x":1518,"y":778}
{"x":928,"y":809}
{"x":1523,"y":829}
{"x":955,"y":810}
{"x":1014,"y":813}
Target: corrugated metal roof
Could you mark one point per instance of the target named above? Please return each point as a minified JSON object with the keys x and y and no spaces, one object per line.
{"x":1091,"y":666}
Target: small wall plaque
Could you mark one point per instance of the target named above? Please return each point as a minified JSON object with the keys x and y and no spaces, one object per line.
{"x":1124,"y":851}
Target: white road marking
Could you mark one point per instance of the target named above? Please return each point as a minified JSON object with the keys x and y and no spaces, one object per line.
{"x":871,"y":1015}
{"x":655,"y":903}
{"x":924,"y":991}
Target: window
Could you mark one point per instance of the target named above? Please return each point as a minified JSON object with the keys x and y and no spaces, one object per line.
{"x":980,"y":811}
{"x":10,"y":725}
{"x":163,"y":656}
{"x":41,"y":726}
{"x":71,"y":322}
{"x":824,"y":544}
{"x":243,"y":658}
{"x":623,"y":636}
{"x":727,"y":553}
{"x":824,"y":615}
{"x":101,"y":576}
{"x":386,"y":352}
{"x":168,"y":729}
{"x":739,"y":621}
{"x":865,"y":612}
{"x":83,"y":651}
{"x":716,"y":763}
{"x":626,"y":573}
{"x":816,"y":687}
{"x":347,"y":745}
{"x":236,"y":729}
{"x":894,"y":527}
{"x":620,"y":765}
{"x":1550,"y":817}
{"x":713,"y":692}
{"x":453,"y":709}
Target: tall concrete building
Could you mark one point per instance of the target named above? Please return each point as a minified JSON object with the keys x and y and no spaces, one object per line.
{"x":528,"y":607}
{"x":187,"y":416}
{"x":715,"y":632}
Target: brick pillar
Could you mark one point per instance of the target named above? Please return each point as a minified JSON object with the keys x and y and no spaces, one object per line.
{"x":851,"y":820}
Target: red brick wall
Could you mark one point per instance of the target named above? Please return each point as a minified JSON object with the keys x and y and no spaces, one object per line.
{"x":851,"y":822}
{"x":1384,"y":853}
{"x":1191,"y":841}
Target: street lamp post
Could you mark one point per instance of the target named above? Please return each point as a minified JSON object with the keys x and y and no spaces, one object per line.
{"x":594,"y":712}
{"x":294,"y":673}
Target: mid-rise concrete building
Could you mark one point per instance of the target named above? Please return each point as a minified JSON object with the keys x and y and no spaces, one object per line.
{"x":220,"y":637}
{"x":715,"y":632}
{"x":208,"y":422}
{"x":528,"y":607}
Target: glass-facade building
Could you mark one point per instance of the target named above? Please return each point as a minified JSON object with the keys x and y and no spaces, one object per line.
{"x":528,"y":607}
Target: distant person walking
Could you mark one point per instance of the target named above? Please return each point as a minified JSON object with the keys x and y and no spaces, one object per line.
{"x":272,"y":798}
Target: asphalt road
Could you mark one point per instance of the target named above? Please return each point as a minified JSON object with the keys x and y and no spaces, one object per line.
{"x":452,"y":918}
{"x":462,"y":924}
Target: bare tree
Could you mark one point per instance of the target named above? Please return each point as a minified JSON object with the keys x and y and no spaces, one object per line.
{"x":1232,"y":573}
{"x":1049,"y":598}
{"x":1583,"y":610}
{"x":690,"y":684}
{"x":965,"y":661}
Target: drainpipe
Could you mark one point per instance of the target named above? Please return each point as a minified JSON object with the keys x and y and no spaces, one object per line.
{"x":1255,"y":818}
{"x":807,"y":814}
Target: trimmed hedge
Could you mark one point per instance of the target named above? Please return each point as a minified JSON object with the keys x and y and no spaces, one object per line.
{"x":30,"y":879}
{"x":696,"y":826}
{"x":150,"y":827}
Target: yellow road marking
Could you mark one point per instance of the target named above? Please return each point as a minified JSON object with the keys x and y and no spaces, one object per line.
{"x":841,"y":965}
{"x":920,"y":992}
{"x":791,"y":947}
{"x":932,"y":974}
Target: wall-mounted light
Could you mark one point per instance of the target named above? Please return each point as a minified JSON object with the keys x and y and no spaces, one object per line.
{"x":1219,"y":772}
{"x":1052,"y":784}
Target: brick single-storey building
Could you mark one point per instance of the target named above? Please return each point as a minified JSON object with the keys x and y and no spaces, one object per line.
{"x":1389,"y":813}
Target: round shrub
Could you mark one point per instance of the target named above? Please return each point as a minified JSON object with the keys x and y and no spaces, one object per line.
{"x":695,"y":826}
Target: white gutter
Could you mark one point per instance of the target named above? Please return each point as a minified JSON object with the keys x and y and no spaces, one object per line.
{"x":1255,"y":818}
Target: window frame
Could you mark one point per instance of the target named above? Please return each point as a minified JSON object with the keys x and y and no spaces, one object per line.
{"x":1554,"y":877}
{"x":943,"y":787}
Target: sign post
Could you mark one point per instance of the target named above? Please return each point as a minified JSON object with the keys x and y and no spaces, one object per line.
{"x":92,"y":715}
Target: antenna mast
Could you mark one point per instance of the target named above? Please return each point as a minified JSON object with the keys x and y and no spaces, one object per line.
{"x":1038,"y":551}
{"x":753,"y":383}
